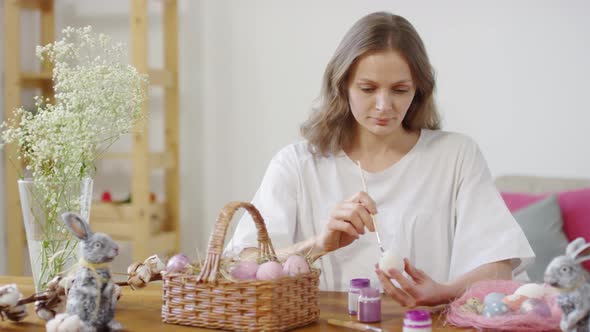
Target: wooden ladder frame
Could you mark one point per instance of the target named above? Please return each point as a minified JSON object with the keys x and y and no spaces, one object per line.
{"x":135,"y":221}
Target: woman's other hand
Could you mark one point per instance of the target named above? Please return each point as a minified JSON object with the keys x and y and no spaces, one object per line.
{"x":419,"y":289}
{"x":348,"y":221}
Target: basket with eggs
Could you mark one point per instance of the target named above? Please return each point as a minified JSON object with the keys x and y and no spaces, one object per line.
{"x":267,"y":295}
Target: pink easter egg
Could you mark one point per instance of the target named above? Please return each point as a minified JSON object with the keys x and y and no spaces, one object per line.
{"x":536,"y":306}
{"x":177,"y":263}
{"x":295,"y":265}
{"x":551,"y":300}
{"x":269,"y":270}
{"x":244,"y":270}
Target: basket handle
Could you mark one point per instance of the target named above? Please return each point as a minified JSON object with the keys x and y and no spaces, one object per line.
{"x":217,"y":239}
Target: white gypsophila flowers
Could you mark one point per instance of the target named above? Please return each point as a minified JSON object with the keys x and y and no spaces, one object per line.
{"x":97,"y":99}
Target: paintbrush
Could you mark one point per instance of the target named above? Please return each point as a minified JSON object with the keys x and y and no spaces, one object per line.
{"x":372,"y":216}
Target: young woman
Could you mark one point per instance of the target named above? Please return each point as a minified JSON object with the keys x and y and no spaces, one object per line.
{"x":430,"y":191}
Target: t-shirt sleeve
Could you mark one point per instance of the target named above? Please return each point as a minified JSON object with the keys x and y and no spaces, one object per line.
{"x":276,"y":199}
{"x":485,"y":230}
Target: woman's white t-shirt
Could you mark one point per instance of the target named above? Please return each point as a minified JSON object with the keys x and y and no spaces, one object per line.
{"x":437,"y":206}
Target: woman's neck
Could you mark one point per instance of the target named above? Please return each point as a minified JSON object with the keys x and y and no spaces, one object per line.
{"x":378,"y":153}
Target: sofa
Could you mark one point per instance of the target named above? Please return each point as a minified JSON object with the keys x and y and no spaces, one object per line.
{"x":551,"y":211}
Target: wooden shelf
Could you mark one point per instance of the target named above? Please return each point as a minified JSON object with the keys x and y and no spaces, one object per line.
{"x":164,"y":242}
{"x":31,"y":4}
{"x":140,"y":222}
{"x":163,"y":160}
{"x":161,"y":77}
{"x":107,"y":217}
{"x":35,"y":80}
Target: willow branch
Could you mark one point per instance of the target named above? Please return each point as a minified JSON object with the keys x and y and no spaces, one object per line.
{"x":155,"y":277}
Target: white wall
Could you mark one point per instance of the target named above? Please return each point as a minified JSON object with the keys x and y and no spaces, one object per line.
{"x":511,"y":74}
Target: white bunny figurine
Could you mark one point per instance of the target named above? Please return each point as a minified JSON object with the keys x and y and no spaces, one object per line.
{"x":91,"y":297}
{"x":567,"y":275}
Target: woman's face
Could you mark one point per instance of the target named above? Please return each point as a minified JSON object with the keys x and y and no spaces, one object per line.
{"x":380,"y":91}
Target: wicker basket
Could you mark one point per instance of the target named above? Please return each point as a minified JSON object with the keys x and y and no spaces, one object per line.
{"x":257,"y":305}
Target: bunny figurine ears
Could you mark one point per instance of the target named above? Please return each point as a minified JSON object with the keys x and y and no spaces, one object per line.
{"x":77,"y":225}
{"x":575,"y":248}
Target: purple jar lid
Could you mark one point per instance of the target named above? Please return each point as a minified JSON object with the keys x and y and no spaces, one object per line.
{"x":360,"y":282}
{"x":418,"y":315}
{"x":370,"y":292}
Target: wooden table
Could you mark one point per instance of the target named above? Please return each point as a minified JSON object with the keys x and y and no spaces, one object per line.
{"x":140,"y":311}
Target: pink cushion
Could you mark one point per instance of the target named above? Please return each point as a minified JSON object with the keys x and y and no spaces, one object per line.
{"x":575,"y":210}
{"x":517,"y":201}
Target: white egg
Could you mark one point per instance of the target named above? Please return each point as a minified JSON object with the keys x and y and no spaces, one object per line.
{"x":535,"y":291}
{"x":390,"y":260}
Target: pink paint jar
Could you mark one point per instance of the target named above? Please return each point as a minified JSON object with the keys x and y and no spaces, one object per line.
{"x":417,"y":321}
{"x":369,"y":305}
{"x":353,"y":293}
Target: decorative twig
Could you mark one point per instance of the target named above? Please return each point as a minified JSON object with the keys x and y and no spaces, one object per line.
{"x":140,"y":274}
{"x":52,"y":300}
{"x":49,"y":298}
{"x":41,"y":296}
{"x":156,"y":277}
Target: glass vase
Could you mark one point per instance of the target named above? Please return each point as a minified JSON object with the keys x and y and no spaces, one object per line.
{"x":53,"y":250}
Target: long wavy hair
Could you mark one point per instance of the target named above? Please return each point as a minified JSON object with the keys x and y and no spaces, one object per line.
{"x":329,"y":128}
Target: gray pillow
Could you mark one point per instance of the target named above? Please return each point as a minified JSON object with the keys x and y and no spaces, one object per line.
{"x":543,"y":226}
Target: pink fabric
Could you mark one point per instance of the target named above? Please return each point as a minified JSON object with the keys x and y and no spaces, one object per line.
{"x":517,"y":201}
{"x":575,"y":210}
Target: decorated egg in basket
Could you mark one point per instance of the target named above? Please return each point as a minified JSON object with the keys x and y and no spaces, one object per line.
{"x":178,"y":263}
{"x":535,"y":291}
{"x":535,"y":306}
{"x":270,"y":270}
{"x":514,"y":301}
{"x":244,"y":270}
{"x":295,"y":265}
{"x":495,"y":308}
{"x":493,"y":297}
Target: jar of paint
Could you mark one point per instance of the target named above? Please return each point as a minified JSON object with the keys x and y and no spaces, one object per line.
{"x":369,"y":310}
{"x":353,"y":293}
{"x":417,"y":321}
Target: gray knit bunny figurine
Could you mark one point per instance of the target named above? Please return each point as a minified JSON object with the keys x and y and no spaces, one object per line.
{"x":567,"y":275}
{"x":91,"y":296}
